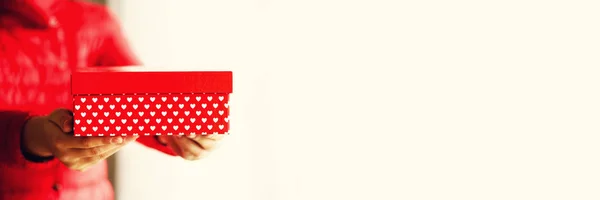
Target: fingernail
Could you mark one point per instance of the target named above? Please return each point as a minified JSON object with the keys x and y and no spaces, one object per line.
{"x":117,"y":140}
{"x":132,"y":138}
{"x":67,"y":126}
{"x":191,"y":136}
{"x":67,"y":129}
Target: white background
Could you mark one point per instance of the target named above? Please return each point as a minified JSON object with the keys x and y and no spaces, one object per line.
{"x":357,"y":99}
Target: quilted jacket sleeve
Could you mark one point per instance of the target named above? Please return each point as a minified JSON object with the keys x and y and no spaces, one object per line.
{"x":11,"y":128}
{"x":115,"y":51}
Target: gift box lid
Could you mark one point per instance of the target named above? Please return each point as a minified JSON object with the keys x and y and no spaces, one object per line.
{"x":128,"y":80}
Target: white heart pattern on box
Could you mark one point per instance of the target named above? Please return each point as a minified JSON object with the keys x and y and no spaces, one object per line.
{"x":145,"y":113}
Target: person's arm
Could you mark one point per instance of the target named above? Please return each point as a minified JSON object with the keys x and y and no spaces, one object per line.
{"x":115,"y":51}
{"x":12,"y":127}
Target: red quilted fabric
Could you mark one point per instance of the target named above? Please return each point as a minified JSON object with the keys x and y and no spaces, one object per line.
{"x":41,"y":42}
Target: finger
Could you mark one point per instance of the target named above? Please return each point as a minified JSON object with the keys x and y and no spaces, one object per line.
{"x":162,"y":139}
{"x":214,"y":136}
{"x":190,"y":149}
{"x":67,"y":125}
{"x":206,"y":143}
{"x":76,"y":154}
{"x":68,"y":141}
{"x":92,"y":160}
{"x":64,"y":124}
{"x":62,"y":111}
{"x":110,"y":151}
{"x":98,"y":151}
{"x":63,"y":118}
{"x":174,"y":145}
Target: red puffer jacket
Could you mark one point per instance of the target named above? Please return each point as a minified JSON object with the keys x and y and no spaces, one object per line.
{"x":41,"y":42}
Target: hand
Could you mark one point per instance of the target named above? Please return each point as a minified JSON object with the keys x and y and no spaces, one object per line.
{"x":192,"y":147}
{"x":48,"y":136}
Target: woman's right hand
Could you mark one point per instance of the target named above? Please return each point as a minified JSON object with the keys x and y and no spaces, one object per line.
{"x":48,"y":136}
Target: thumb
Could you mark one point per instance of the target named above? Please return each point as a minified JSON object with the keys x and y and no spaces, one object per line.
{"x":63,"y":118}
{"x":67,"y":124}
{"x":162,"y":139}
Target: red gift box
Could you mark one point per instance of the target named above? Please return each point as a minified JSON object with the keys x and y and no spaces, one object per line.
{"x":131,"y":101}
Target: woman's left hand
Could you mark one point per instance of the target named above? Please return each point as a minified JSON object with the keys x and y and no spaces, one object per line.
{"x":192,"y":147}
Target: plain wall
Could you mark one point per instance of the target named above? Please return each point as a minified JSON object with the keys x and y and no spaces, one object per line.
{"x":381,"y":99}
